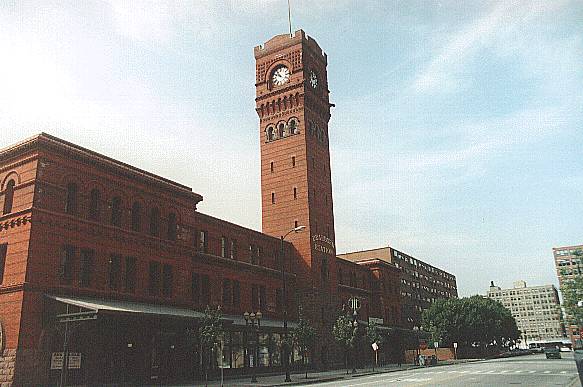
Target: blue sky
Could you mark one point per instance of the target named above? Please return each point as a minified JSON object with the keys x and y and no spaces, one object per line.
{"x":456,"y":137}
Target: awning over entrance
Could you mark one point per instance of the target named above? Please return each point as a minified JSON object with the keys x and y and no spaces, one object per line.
{"x":102,"y":305}
{"x":94,"y":305}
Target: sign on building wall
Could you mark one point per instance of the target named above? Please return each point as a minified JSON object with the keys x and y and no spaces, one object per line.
{"x":57,"y":360}
{"x":74,"y":361}
{"x":323,"y":244}
{"x":73,"y":364}
{"x":376,"y":320}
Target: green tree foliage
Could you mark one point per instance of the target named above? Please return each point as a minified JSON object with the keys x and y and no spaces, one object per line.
{"x":303,"y":336}
{"x":471,"y":321}
{"x":572,"y":291}
{"x":345,"y":334}
{"x":373,"y":335}
{"x":210,"y":332}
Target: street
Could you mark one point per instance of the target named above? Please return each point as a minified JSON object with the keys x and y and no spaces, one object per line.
{"x":531,"y":371}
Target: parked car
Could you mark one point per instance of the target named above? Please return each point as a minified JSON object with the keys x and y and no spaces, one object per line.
{"x":553,"y":353}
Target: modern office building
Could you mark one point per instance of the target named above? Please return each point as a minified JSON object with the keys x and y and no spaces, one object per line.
{"x":537,"y":309}
{"x":569,"y":265}
{"x":421,"y":283}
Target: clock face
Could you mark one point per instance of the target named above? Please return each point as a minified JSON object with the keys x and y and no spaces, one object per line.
{"x":280,"y":76}
{"x":313,"y":79}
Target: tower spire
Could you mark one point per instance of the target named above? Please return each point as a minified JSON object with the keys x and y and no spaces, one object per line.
{"x":289,"y":17}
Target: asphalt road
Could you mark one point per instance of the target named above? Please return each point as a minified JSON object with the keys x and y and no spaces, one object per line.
{"x":531,"y":371}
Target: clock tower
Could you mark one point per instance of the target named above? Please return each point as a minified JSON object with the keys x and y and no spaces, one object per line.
{"x":292,"y":101}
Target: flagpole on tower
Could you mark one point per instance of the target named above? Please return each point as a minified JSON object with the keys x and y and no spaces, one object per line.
{"x":289,"y":17}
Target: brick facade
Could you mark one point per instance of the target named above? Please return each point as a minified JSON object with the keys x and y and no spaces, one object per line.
{"x":83,"y":233}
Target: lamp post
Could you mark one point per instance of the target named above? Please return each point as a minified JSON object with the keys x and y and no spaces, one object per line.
{"x":284,"y":296}
{"x":254,"y":321}
{"x":354,"y":332}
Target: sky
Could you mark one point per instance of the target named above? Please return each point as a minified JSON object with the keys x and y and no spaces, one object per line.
{"x":456,"y":136}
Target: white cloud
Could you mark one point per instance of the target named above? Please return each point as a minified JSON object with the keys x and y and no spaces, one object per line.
{"x":504,"y":24}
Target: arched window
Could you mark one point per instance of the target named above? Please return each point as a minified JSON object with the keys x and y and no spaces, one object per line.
{"x":281,"y":130}
{"x":71,"y":200}
{"x":270,"y":133}
{"x":340,"y":280}
{"x":155,"y":222}
{"x":136,"y":216}
{"x":172,"y":228}
{"x":94,"y":204}
{"x":116,"y":211}
{"x":9,"y":196}
{"x":293,"y":126}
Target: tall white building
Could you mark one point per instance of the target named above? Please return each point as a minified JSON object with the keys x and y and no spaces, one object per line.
{"x":537,"y":309}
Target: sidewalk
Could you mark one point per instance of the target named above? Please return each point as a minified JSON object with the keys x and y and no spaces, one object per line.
{"x":298,"y":379}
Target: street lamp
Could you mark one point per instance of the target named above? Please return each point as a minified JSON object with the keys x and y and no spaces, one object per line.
{"x":254,"y":321}
{"x":354,"y":332}
{"x":284,"y":296}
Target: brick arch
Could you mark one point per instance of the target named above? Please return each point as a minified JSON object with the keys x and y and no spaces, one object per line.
{"x":13,"y":175}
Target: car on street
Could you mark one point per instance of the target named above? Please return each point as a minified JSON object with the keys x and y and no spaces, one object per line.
{"x":553,"y":353}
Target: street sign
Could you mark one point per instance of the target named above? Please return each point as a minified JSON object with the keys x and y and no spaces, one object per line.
{"x":455,"y":345}
{"x":354,"y":303}
{"x":435,"y":344}
{"x":376,"y":320}
{"x":74,"y":362}
{"x":57,"y":360}
{"x":375,"y":347}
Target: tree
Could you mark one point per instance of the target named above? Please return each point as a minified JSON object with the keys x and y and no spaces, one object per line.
{"x":471,"y":321}
{"x":303,"y":336}
{"x":345,"y":334}
{"x":373,"y":335}
{"x":210,"y":333}
{"x":572,"y":291}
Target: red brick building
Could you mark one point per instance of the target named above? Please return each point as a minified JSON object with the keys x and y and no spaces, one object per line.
{"x":116,"y":264}
{"x":420,"y":283}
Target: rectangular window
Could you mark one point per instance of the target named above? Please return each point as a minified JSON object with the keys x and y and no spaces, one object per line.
{"x":273,"y":198}
{"x":293,"y":161}
{"x":154,"y":278}
{"x":252,"y":257}
{"x":278,"y":300}
{"x":206,"y":289}
{"x":295,"y":193}
{"x":236,"y":293}
{"x":3,"y":253}
{"x":254,"y":297}
{"x":227,"y":292}
{"x":258,"y":255}
{"x":67,"y":261}
{"x":233,"y":249}
{"x":271,"y":167}
{"x":167,"y":278}
{"x":195,"y":288}
{"x":223,"y":247}
{"x":130,"y":277}
{"x":87,"y":258}
{"x":202,"y":241}
{"x":262,"y":298}
{"x":114,"y":271}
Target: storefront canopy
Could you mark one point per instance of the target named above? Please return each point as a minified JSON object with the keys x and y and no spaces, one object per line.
{"x":96,"y":306}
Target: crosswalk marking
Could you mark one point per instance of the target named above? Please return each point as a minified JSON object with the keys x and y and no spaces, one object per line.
{"x":547,"y":372}
{"x":563,"y":372}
